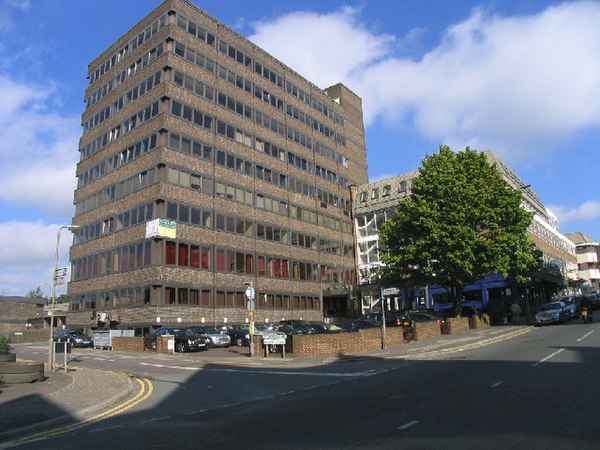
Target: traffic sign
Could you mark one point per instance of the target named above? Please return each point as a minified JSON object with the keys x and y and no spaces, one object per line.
{"x":390,"y":291}
{"x":61,"y":272}
{"x":250,"y":293}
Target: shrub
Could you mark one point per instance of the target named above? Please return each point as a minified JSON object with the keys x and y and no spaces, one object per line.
{"x":5,"y":347}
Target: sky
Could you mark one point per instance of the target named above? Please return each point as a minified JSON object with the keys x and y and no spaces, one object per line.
{"x":520,"y":78}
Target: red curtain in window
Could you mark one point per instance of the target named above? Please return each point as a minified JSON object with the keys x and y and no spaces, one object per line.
{"x":170,"y":252}
{"x":206,"y":258}
{"x":184,"y":255}
{"x":194,"y":256}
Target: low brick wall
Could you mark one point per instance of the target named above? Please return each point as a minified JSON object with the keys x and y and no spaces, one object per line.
{"x":38,"y":335}
{"x":427,"y":330}
{"x":459,"y":325}
{"x":128,"y":344}
{"x":482,"y":321}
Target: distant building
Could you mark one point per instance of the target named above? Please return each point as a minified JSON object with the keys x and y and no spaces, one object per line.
{"x":588,"y":261}
{"x":376,"y":202}
{"x":20,"y":313}
{"x":205,"y":163}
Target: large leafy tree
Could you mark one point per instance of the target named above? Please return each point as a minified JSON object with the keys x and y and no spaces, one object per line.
{"x":462,"y":223}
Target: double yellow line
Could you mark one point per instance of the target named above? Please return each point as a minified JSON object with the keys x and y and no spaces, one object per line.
{"x":145,"y":391}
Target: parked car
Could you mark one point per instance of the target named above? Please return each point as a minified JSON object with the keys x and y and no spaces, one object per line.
{"x":150,"y":339}
{"x":555,"y":312}
{"x":392,"y":318}
{"x":240,"y":335}
{"x":323,"y":328}
{"x":293,"y":326}
{"x":187,"y":340}
{"x":76,"y":338}
{"x":358,"y":324}
{"x":592,"y":301}
{"x":571,"y":302}
{"x":213,"y":337}
{"x":409,"y":318}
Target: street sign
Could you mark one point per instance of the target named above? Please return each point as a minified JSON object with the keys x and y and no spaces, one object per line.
{"x":250,"y":293}
{"x":274,"y":338}
{"x":61,"y":272}
{"x":391,"y":291}
{"x":59,"y":281}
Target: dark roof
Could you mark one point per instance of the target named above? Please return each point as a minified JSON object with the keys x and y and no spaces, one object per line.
{"x":579,"y":238}
{"x":17,"y":299}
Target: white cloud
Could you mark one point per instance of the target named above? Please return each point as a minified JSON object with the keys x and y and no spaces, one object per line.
{"x":326,"y":48}
{"x":7,"y":8}
{"x":27,"y":256}
{"x":39,"y":149}
{"x":586,"y":211}
{"x":518,"y":85}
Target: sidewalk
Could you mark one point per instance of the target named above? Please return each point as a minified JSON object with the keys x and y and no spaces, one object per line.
{"x":79,"y":393}
{"x":63,"y":397}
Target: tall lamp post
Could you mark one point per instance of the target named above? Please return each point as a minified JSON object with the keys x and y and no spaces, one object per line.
{"x":54,"y":279}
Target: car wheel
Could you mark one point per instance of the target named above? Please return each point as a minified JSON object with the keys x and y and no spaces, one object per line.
{"x":239,"y":342}
{"x":180,"y":347}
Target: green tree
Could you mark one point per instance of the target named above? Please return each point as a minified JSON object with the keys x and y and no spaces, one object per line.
{"x":36,"y":293}
{"x":462,"y":223}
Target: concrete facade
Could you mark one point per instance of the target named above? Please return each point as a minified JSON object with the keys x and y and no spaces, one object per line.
{"x":205,"y":163}
{"x":375,"y":202}
{"x":588,"y":261}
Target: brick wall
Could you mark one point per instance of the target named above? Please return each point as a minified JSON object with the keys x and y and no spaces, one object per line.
{"x":459,"y":325}
{"x":40,"y":335}
{"x":128,"y":344}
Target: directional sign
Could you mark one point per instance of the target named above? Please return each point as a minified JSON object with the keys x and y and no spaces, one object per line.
{"x":61,"y":272}
{"x":277,"y":338}
{"x":391,"y":291}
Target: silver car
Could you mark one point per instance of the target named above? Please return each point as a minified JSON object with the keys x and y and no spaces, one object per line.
{"x":555,"y":312}
{"x":212,"y":336}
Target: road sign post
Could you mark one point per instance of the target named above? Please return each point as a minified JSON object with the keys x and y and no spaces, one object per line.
{"x":250,"y":306}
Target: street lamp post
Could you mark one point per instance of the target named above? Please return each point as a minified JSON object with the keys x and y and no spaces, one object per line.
{"x":55,"y":268}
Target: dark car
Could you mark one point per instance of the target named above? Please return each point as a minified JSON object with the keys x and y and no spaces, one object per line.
{"x":188,"y":341}
{"x":293,"y":326}
{"x":392,"y":318}
{"x":358,"y":324}
{"x":150,"y":339}
{"x":76,"y":338}
{"x":240,"y":335}
{"x":409,"y":318}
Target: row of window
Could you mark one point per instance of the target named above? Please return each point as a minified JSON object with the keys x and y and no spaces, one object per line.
{"x":200,"y":183}
{"x":403,"y":187}
{"x":203,"y":257}
{"x":117,"y":56}
{"x":190,"y":296}
{"x":120,"y":130}
{"x":259,"y":69}
{"x":116,"y":191}
{"x":199,"y":88}
{"x":246,"y":85}
{"x":123,"y":220}
{"x":119,"y":159}
{"x":130,"y":96}
{"x":229,"y":131}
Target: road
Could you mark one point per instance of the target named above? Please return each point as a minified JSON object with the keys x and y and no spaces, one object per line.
{"x":536,"y":391}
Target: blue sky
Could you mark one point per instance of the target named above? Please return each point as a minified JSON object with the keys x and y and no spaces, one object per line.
{"x":517,"y":77}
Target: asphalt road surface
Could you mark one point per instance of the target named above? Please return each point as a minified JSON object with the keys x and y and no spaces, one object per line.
{"x":537,"y":391}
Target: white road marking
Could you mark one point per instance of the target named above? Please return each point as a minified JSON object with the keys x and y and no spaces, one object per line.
{"x":408,"y":425}
{"x":584,"y":336}
{"x":547,"y":357}
{"x":495,"y":385}
{"x":270,"y":372}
